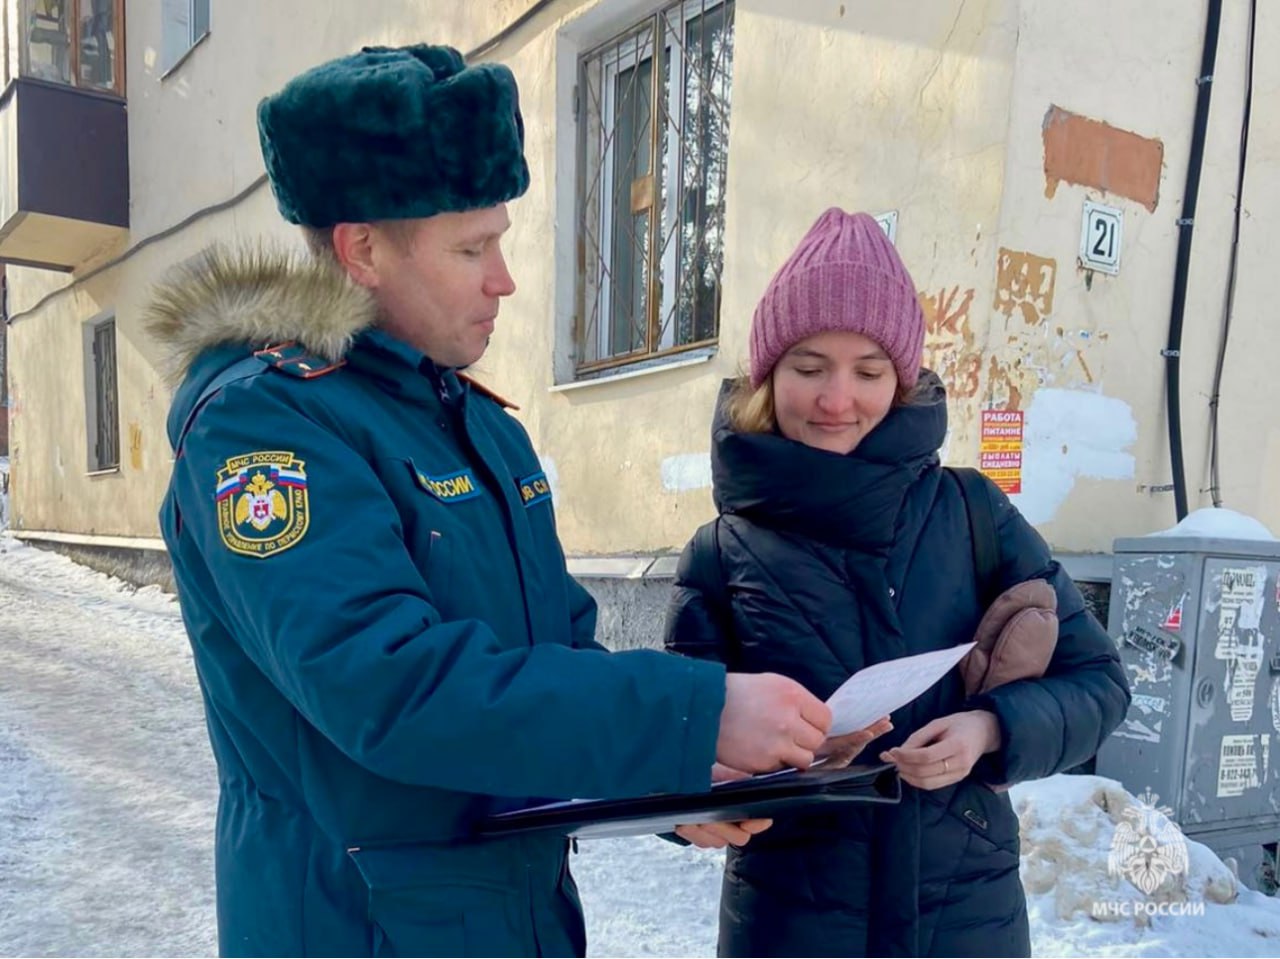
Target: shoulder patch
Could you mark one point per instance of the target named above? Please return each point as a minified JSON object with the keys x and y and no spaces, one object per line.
{"x":534,"y":489}
{"x":450,"y":488}
{"x":478,"y":387}
{"x":262,"y":503}
{"x":294,"y":360}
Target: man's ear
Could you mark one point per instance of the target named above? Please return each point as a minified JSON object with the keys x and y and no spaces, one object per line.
{"x":353,"y":245}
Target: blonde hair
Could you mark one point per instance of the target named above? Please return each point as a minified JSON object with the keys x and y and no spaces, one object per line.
{"x":751,"y":410}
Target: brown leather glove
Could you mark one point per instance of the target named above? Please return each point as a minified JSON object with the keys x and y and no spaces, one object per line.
{"x":1016,"y":638}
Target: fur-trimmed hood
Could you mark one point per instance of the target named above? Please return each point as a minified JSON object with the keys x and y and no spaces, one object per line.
{"x":256,"y":296}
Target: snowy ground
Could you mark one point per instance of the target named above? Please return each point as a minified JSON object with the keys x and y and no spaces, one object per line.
{"x":107,"y":798}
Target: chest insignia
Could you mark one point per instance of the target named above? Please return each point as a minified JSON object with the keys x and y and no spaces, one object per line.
{"x":534,"y":489}
{"x":451,"y":488}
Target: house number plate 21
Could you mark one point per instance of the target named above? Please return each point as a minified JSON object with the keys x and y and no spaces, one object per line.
{"x":1101,"y":232}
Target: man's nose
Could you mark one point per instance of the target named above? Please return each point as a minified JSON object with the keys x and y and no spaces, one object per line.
{"x":500,"y":282}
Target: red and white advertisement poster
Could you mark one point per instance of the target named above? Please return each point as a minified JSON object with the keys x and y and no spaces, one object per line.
{"x":1000,"y":456}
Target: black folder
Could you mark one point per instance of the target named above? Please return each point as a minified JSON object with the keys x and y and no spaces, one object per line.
{"x":759,"y":797}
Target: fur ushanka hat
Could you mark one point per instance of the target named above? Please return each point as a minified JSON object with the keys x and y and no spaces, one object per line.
{"x":393,"y":133}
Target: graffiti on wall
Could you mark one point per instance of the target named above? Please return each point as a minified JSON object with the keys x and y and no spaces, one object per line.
{"x":1025,"y":284}
{"x":1024,"y":351}
{"x":950,"y":344}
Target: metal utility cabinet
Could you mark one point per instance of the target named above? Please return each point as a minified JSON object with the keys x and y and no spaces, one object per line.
{"x":1198,"y":625}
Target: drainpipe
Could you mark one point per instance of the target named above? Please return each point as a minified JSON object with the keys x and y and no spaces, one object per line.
{"x":1186,"y":223}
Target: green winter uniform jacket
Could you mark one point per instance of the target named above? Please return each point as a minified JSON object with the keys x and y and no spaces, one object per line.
{"x":387,"y":640}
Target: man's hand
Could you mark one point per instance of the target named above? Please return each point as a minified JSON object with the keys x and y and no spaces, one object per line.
{"x":720,"y":773}
{"x":717,"y":835}
{"x":840,"y":751}
{"x":769,"y":722}
{"x":945,"y":751}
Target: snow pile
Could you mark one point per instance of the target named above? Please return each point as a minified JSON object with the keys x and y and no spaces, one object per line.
{"x":1220,"y":523}
{"x":1074,"y":831}
{"x":1107,"y":873}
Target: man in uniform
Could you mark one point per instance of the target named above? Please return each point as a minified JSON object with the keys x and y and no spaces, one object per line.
{"x":388,"y":643}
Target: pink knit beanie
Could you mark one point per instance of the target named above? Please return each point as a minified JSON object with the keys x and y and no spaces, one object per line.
{"x":844,"y":275}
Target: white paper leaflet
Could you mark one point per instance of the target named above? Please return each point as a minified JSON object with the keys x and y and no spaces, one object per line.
{"x":880,"y":689}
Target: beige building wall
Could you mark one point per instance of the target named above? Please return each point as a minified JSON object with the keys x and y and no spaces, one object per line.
{"x":193,"y":145}
{"x":939,"y":112}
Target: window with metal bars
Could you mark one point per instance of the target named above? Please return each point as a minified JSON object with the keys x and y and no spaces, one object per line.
{"x":653,"y":142}
{"x":104,"y":412}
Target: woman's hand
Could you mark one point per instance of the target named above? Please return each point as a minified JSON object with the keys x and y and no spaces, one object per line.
{"x":946,"y":750}
{"x":840,"y":751}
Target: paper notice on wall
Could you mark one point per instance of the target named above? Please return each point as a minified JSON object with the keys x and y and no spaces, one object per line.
{"x":1242,"y":675}
{"x":1239,"y":643}
{"x":1238,"y":765}
{"x":1151,"y":704}
{"x":1275,"y":705}
{"x":1000,"y":455}
{"x":1242,"y":591}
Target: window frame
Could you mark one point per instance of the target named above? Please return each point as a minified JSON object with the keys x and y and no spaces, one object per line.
{"x":193,"y":38}
{"x":655,"y":40}
{"x":97,"y":386}
{"x":26,"y":14}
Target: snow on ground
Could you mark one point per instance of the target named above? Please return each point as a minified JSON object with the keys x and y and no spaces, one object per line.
{"x":107,"y":797}
{"x":107,"y":787}
{"x":1070,"y":826}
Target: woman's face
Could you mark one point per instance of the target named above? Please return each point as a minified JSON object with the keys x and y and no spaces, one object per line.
{"x":832,"y":389}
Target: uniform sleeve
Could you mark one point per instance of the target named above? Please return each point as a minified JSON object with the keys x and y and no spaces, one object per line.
{"x":582,"y":616}
{"x":344,"y":625}
{"x":1058,"y":721}
{"x":693,"y":628}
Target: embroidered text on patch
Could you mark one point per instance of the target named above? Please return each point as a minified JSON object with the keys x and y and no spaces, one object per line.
{"x":452,"y":488}
{"x":262,"y":503}
{"x":534,"y":489}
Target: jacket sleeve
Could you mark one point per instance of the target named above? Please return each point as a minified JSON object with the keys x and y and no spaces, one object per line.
{"x":1058,"y":721}
{"x":582,"y":616}
{"x":343,"y":624}
{"x":693,"y":627}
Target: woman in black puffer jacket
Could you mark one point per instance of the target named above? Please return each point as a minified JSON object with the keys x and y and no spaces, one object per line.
{"x":842,"y":543}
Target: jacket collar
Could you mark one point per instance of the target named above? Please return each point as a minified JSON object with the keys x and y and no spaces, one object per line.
{"x":223,"y":303}
{"x":850,"y":501}
{"x":255,"y":297}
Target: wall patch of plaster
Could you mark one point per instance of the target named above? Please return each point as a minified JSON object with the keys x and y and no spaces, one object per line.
{"x":1069,"y":434}
{"x":1095,"y":154}
{"x":553,"y":476}
{"x":688,"y":471}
